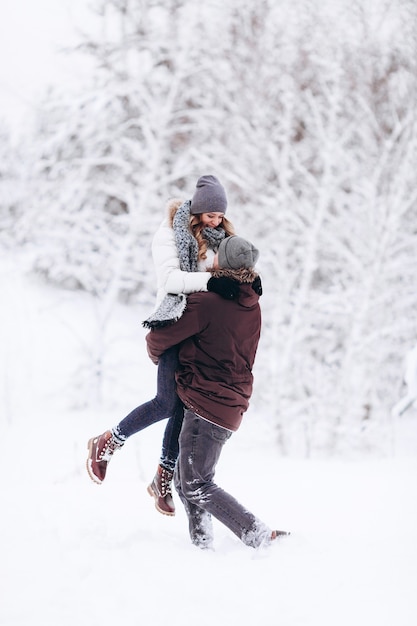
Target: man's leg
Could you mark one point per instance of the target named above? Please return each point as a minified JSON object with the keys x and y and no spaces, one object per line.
{"x":199,"y":521}
{"x":201,"y":443}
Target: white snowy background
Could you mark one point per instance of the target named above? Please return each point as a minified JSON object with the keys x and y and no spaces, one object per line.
{"x":77,"y":553}
{"x":35,"y":38}
{"x":73,"y":552}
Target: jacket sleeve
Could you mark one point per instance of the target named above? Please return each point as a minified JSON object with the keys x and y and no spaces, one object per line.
{"x":160,"y":339}
{"x":167,"y":264}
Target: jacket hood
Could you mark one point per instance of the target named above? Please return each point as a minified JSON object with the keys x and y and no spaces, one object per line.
{"x":242,"y":275}
{"x":172,"y":207}
{"x":247,"y":297}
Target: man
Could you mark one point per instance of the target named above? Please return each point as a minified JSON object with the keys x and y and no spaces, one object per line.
{"x":219,"y":338}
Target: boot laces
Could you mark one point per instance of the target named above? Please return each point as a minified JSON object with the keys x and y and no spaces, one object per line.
{"x":166,"y":478}
{"x":108,"y":449}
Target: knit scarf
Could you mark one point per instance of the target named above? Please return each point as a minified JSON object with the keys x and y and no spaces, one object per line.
{"x":173,"y":305}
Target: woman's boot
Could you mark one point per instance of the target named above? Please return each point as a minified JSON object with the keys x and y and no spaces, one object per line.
{"x":100,"y":452}
{"x":160,"y":489}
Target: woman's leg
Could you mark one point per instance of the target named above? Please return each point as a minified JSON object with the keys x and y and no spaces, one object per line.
{"x":165,"y":405}
{"x":170,"y":444}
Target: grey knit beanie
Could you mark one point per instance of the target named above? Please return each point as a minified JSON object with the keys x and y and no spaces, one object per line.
{"x":209,"y":196}
{"x":235,"y":252}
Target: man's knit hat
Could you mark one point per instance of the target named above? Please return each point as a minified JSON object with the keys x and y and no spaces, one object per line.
{"x":235,"y":252}
{"x":209,"y":196}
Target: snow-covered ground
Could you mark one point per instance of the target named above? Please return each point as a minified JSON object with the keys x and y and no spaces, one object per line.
{"x":74,"y":553}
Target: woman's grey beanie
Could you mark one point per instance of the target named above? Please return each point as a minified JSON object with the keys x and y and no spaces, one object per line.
{"x":235,"y":252}
{"x":209,"y":196}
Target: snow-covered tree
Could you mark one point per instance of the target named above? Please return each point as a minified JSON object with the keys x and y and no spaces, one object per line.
{"x":305,"y":110}
{"x":12,"y":189}
{"x":110,"y":157}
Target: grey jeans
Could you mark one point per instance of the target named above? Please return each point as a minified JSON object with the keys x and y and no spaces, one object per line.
{"x":201,"y":443}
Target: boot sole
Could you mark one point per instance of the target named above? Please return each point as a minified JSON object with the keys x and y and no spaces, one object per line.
{"x":154,"y":496}
{"x":90,"y":453}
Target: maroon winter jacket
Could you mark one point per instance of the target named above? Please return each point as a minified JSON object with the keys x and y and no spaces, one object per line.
{"x":219,"y":339}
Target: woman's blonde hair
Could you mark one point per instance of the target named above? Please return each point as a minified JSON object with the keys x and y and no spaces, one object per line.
{"x":197,"y":227}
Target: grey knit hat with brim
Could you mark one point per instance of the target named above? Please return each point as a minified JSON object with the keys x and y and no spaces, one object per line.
{"x":209,"y":196}
{"x":235,"y":252}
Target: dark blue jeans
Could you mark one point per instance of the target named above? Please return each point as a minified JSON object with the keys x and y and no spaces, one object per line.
{"x":165,"y":405}
{"x":201,"y":443}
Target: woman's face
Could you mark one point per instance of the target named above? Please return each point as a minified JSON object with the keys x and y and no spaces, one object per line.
{"x":211,"y":219}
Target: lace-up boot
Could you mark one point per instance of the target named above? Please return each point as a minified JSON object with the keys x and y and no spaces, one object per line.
{"x":161,"y":490}
{"x":100,"y":452}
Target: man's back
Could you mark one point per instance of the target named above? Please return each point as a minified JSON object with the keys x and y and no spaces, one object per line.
{"x":219,"y":339}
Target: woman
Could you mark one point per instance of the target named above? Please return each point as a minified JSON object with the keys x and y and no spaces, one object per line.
{"x":183,"y":250}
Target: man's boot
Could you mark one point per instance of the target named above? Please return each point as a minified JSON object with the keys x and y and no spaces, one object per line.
{"x":160,"y":489}
{"x":276,"y":534}
{"x":100,"y":452}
